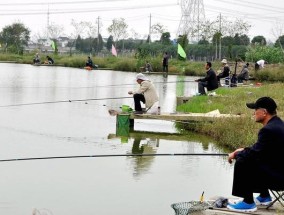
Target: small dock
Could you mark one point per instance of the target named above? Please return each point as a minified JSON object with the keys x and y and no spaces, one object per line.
{"x":260,"y":211}
{"x":210,"y":116}
{"x":125,"y":121}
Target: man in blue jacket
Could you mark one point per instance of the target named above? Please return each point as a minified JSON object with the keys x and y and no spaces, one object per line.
{"x":209,"y":81}
{"x":259,"y":167}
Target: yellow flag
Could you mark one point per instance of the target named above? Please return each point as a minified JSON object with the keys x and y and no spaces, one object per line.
{"x":53,"y":44}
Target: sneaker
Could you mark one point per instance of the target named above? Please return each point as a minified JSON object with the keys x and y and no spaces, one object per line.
{"x":263,"y":201}
{"x":242,"y":207}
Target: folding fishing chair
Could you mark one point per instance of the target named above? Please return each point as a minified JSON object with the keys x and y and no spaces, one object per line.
{"x":279,"y":197}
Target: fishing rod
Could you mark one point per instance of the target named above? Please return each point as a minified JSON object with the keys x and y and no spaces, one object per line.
{"x":62,"y":101}
{"x":110,"y":85}
{"x":114,"y":155}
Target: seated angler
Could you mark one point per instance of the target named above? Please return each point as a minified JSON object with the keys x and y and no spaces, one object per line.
{"x":209,"y":82}
{"x":225,"y":70}
{"x":146,"y":94}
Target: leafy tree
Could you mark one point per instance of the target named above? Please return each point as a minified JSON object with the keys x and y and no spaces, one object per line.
{"x":203,"y":41}
{"x":148,"y":39}
{"x":211,"y":30}
{"x":118,"y":29}
{"x":259,"y":40}
{"x":109,"y":42}
{"x":216,"y":38}
{"x":98,"y":43}
{"x":270,"y":54}
{"x":165,"y":38}
{"x":241,"y":39}
{"x":54,"y":32}
{"x":79,"y":43}
{"x":157,"y":29}
{"x":78,"y":28}
{"x":15,"y":37}
{"x":228,"y":40}
{"x":183,"y":41}
{"x":279,"y":42}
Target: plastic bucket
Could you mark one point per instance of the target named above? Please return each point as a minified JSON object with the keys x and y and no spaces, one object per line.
{"x":126,"y":109}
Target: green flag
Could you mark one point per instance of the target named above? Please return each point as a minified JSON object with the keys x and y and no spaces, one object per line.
{"x":53,"y":44}
{"x":181,"y":52}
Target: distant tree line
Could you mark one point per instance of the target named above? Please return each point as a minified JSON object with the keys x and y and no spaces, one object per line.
{"x":213,"y":44}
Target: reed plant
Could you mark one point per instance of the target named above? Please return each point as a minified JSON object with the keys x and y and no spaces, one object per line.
{"x":272,"y":72}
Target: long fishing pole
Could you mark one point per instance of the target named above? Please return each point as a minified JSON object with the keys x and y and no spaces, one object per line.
{"x":73,"y":100}
{"x":114,"y":155}
{"x":110,"y":85}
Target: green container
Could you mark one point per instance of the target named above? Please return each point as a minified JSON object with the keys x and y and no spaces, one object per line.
{"x":122,"y":120}
{"x":126,"y":109}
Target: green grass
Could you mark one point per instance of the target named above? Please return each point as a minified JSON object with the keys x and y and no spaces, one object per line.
{"x":232,"y":132}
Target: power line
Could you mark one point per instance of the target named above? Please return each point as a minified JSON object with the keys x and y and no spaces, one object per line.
{"x":255,"y":6}
{"x":58,"y":3}
{"x":67,"y":11}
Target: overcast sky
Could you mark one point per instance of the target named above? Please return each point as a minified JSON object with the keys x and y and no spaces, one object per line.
{"x":265,"y":16}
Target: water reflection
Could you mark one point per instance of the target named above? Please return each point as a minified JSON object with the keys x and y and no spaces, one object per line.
{"x":142,"y":146}
{"x":77,"y":128}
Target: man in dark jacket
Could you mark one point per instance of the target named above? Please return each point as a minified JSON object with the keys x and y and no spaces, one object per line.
{"x":210,"y":80}
{"x":259,"y":167}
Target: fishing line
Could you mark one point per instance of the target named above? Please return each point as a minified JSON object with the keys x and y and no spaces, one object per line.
{"x":62,"y":101}
{"x":111,"y":85}
{"x":114,"y":155}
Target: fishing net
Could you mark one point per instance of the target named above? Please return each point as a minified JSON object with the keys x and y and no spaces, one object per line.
{"x":185,"y":208}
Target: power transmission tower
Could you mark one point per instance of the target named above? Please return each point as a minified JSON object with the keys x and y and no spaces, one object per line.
{"x":47,"y":26}
{"x":192,"y":15}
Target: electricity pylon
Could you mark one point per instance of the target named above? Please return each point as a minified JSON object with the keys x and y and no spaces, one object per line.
{"x":192,"y":15}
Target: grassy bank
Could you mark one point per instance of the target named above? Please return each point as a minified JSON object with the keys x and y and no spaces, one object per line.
{"x":234,"y":132}
{"x":272,"y":72}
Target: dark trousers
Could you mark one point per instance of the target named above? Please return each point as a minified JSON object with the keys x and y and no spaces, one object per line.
{"x":165,"y":68}
{"x":256,"y":66}
{"x":249,"y":179}
{"x":201,"y":87}
{"x":137,"y":99}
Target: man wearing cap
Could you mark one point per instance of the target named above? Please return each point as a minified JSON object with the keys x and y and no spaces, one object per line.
{"x":210,"y":80}
{"x":259,"y":167}
{"x":225,"y":70}
{"x":146,"y":93}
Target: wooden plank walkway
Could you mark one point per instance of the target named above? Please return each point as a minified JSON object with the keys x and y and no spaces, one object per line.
{"x":210,"y":116}
{"x":260,"y":211}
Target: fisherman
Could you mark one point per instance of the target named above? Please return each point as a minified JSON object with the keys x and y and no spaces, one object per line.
{"x":49,"y":60}
{"x":225,"y":71}
{"x":147,"y":67}
{"x":146,"y":94}
{"x":36,"y":59}
{"x":209,"y":81}
{"x":165,"y":62}
{"x":259,"y":167}
{"x":89,"y":62}
{"x":259,"y":64}
{"x":244,"y":74}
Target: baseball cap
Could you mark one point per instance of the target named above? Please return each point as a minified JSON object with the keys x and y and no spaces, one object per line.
{"x":263,"y":102}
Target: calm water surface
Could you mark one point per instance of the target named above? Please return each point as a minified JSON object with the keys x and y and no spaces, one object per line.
{"x":101,"y":186}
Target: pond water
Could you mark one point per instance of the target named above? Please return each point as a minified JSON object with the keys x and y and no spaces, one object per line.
{"x":103,"y":186}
